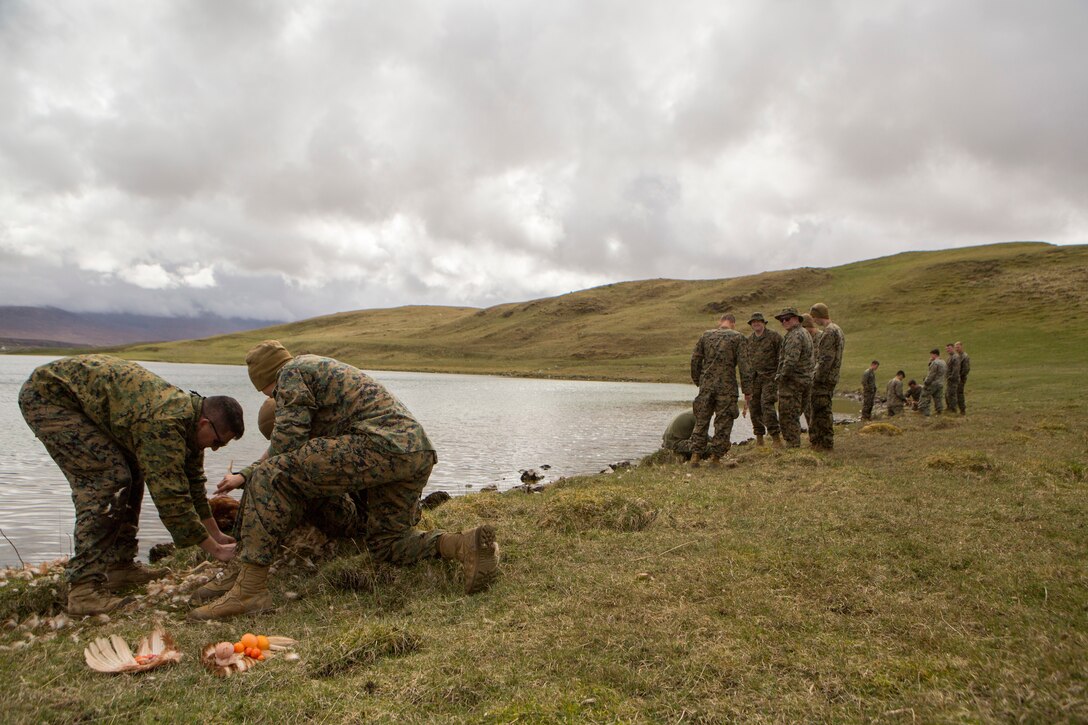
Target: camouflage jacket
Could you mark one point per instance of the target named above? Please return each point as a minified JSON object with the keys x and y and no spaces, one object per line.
{"x":965,"y":366}
{"x":952,"y":374}
{"x":795,"y":363}
{"x":717,"y":356}
{"x":151,"y":420}
{"x":763,"y":351}
{"x":894,"y":393}
{"x":829,"y":357}
{"x":937,"y":372}
{"x":319,"y":397}
{"x":679,"y":430}
{"x":868,"y":381}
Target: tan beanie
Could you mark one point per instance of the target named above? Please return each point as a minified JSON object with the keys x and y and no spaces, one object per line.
{"x":264,"y":362}
{"x":820,"y":310}
{"x":266,"y":418}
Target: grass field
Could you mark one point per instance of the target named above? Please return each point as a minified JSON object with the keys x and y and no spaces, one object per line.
{"x":938,"y":575}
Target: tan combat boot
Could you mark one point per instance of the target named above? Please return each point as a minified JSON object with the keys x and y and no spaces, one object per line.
{"x":715,"y":460}
{"x":131,"y":573}
{"x":759,"y":439}
{"x":216,"y":587}
{"x":86,"y":598}
{"x":249,"y":595}
{"x":776,"y":441}
{"x":478,"y":553}
{"x":695,"y":458}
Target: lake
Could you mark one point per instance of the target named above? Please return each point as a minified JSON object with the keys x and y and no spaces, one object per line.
{"x":486,"y":429}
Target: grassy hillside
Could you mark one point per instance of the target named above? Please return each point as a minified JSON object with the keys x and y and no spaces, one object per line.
{"x":1011,"y":304}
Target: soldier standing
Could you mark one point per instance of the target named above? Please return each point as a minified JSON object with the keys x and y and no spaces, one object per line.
{"x":794,"y":375}
{"x":763,"y":348}
{"x":965,"y":367}
{"x":933,"y":385}
{"x":337,"y":431}
{"x":814,"y":332}
{"x":717,"y":357}
{"x":952,"y":379}
{"x":115,"y":427}
{"x":868,"y":390}
{"x":821,"y":430}
{"x":894,"y":394}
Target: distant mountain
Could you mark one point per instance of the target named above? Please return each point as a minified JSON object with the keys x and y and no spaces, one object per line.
{"x":22,"y":327}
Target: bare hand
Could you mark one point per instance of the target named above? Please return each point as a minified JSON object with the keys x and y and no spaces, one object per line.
{"x":221,"y":538}
{"x":222,"y":552}
{"x":230,"y":482}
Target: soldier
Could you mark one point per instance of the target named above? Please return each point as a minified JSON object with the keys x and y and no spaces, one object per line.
{"x":821,"y":429}
{"x":965,"y":367}
{"x":677,"y":437}
{"x":763,"y":347}
{"x":337,"y":431}
{"x":914,"y":394}
{"x":933,"y":385}
{"x":894,"y":394}
{"x":868,"y":390}
{"x":717,"y":357}
{"x":952,"y":379}
{"x":814,"y":332}
{"x":794,"y":375}
{"x":115,"y":427}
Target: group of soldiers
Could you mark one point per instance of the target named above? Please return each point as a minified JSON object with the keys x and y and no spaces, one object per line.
{"x":942,"y":389}
{"x":797,"y":370}
{"x":343,"y":451}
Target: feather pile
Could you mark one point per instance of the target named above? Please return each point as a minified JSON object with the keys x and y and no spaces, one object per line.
{"x":111,"y":654}
{"x":221,"y":666}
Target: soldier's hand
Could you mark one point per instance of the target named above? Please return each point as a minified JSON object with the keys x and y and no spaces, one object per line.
{"x":230,"y":482}
{"x":221,"y":552}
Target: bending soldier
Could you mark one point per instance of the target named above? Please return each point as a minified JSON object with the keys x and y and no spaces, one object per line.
{"x":894,"y":394}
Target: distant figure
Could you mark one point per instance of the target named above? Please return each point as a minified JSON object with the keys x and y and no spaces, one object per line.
{"x":763,"y":348}
{"x":868,"y":390}
{"x":794,"y":376}
{"x":914,"y":394}
{"x":896,"y":399}
{"x":677,"y":435}
{"x":965,"y":367}
{"x":815,"y":333}
{"x":821,"y":429}
{"x":933,"y":385}
{"x":718,"y":356}
{"x":952,"y":379}
{"x":113,"y":426}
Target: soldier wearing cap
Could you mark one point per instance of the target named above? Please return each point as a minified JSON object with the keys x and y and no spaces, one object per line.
{"x":952,"y":379}
{"x":337,"y":431}
{"x":763,"y":347}
{"x":965,"y":368}
{"x":821,"y":429}
{"x":717,"y":357}
{"x":794,"y":375}
{"x":933,"y":385}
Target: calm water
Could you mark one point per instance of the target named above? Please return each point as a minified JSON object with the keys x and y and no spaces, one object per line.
{"x":486,"y":429}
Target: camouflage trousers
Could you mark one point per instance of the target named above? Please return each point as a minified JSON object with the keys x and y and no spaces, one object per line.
{"x":722,"y":406}
{"x":791,"y":403}
{"x":821,"y":430}
{"x":282,"y":488}
{"x":951,"y":395}
{"x":960,"y":400}
{"x":107,"y":486}
{"x":867,"y":400}
{"x":338,"y":517}
{"x":894,"y":409}
{"x":932,"y":394}
{"x":764,"y":396}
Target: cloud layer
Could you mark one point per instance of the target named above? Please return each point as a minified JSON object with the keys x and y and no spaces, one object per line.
{"x":296,"y":158}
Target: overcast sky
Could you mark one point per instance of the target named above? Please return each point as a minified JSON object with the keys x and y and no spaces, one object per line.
{"x":288,"y":159}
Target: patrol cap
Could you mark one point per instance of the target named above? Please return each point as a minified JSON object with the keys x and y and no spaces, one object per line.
{"x":266,"y":418}
{"x":757,"y":317}
{"x":820,"y":310}
{"x":264,"y":362}
{"x":788,"y":312}
{"x":807,"y":322}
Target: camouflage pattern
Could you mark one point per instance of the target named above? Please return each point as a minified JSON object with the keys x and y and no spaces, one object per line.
{"x":821,"y":430}
{"x":794,"y":379}
{"x":965,"y":368}
{"x":715,"y":361}
{"x":815,"y":334}
{"x":952,"y":381}
{"x":113,"y":427}
{"x":933,"y":387}
{"x":896,"y":398}
{"x":763,"y":352}
{"x":338,"y":431}
{"x":868,"y":393}
{"x":677,"y":435}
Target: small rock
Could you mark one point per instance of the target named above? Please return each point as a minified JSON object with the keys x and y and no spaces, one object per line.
{"x":644,"y":576}
{"x":291,"y":596}
{"x":530,"y":476}
{"x":489,"y":487}
{"x":435,"y":499}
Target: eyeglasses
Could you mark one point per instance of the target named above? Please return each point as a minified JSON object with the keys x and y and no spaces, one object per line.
{"x":218,"y":442}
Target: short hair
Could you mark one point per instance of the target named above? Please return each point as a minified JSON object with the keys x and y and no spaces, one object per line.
{"x":728,"y":316}
{"x":950,"y":344}
{"x":903,"y":374}
{"x":875,"y":362}
{"x":227,"y":412}
{"x":935,"y":351}
{"x":958,"y":342}
{"x":912,"y":382}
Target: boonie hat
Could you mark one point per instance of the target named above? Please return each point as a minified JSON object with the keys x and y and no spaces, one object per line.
{"x":757,"y":317}
{"x":788,"y":312}
{"x":264,"y":362}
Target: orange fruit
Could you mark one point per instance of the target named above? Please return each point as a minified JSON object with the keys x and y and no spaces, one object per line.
{"x":262,"y":642}
{"x":249,"y":639}
{"x":239,"y":647}
{"x":260,"y":657}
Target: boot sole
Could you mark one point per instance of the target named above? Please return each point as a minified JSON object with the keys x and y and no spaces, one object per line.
{"x":487,"y":561}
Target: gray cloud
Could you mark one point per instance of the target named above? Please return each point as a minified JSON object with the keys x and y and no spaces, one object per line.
{"x":291,"y":159}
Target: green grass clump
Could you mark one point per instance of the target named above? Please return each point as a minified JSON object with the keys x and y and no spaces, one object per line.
{"x":974,"y":461}
{"x":361,"y":647}
{"x":19,"y":599}
{"x":351,"y":574}
{"x":885,"y":429}
{"x":574,"y":510}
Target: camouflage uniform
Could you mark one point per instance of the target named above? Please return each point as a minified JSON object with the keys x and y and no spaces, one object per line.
{"x":952,"y":382}
{"x":714,"y":363}
{"x":763,"y":351}
{"x":965,"y":367}
{"x":794,"y":379}
{"x":894,"y":394}
{"x":933,"y":387}
{"x":339,"y":431}
{"x":868,"y":393}
{"x":808,"y":391}
{"x":677,"y":436}
{"x":113,"y":426}
{"x":821,"y":430}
